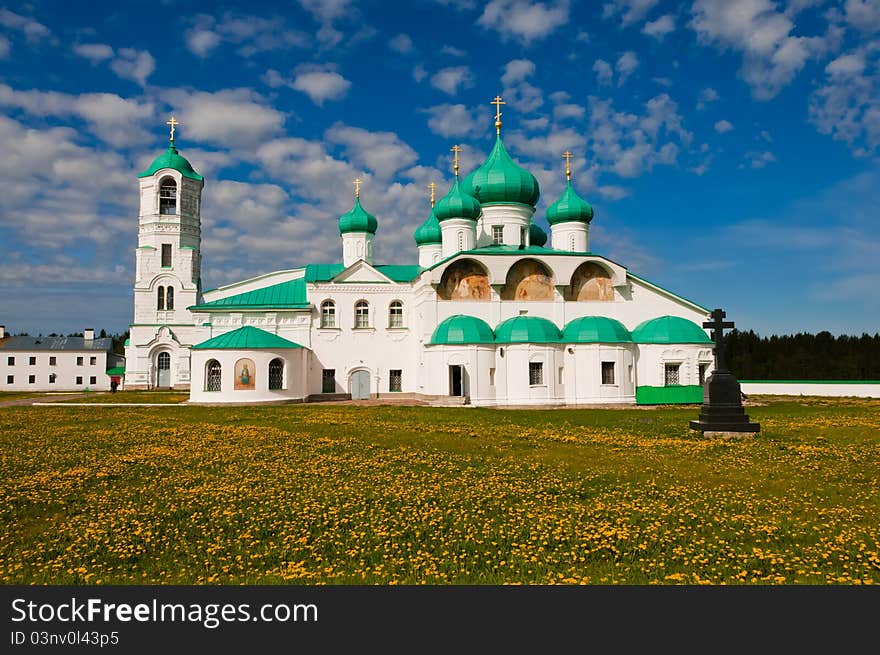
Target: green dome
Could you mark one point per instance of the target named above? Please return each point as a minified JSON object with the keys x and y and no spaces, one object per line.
{"x":429,"y":233}
{"x":499,"y":179}
{"x":526,"y":329}
{"x":457,"y":204}
{"x":357,"y":219}
{"x":537,"y":236}
{"x":172,"y":159}
{"x":595,"y":329}
{"x":570,"y":207}
{"x":460,"y":329}
{"x":669,"y":329}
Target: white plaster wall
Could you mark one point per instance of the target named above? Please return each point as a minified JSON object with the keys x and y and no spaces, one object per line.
{"x":294,"y":381}
{"x":836,"y":389}
{"x":450,"y":229}
{"x":653,"y":357}
{"x":66,"y":370}
{"x":356,"y":246}
{"x":583,"y":373}
{"x":511,"y":217}
{"x":512,"y":374}
{"x":430,"y":254}
{"x":562,"y":234}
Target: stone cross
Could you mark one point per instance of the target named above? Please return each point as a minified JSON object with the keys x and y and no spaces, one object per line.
{"x":717,"y":325}
{"x":172,"y":123}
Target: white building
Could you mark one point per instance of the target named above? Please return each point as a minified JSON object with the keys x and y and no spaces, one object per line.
{"x":490,"y":315}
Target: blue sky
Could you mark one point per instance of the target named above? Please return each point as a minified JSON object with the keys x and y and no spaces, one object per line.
{"x":729,"y":147}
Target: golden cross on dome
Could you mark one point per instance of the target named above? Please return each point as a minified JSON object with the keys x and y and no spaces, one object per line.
{"x":173,"y":122}
{"x":357,"y":187}
{"x":567,"y":157}
{"x":498,"y":102}
{"x":432,"y":186}
{"x":456,"y":149}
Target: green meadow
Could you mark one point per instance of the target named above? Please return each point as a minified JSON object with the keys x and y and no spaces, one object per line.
{"x":337,"y":494}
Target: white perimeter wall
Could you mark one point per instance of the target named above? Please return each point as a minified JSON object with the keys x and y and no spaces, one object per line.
{"x":859,"y":389}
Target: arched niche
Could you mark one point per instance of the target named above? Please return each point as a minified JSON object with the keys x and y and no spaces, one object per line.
{"x":465,"y":279}
{"x":590,"y":282}
{"x":528,"y":279}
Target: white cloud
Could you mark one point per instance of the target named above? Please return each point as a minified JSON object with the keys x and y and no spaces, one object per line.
{"x":381,"y":153}
{"x":625,"y":66}
{"x":630,"y":11}
{"x":32,"y":29}
{"x":327,"y":12}
{"x":706,"y":96}
{"x":450,"y":79}
{"x":603,"y":70}
{"x":201,"y":42}
{"x":661,"y":27}
{"x":320,"y":83}
{"x":846,"y":65}
{"x":94,"y":52}
{"x":452,"y":51}
{"x":568,"y":110}
{"x":401,"y":43}
{"x":135,"y":65}
{"x":4,"y":47}
{"x":864,"y":15}
{"x":419,"y":73}
{"x":723,"y":126}
{"x":518,"y":92}
{"x":250,"y":34}
{"x":450,"y":120}
{"x":523,"y":20}
{"x":759,"y":159}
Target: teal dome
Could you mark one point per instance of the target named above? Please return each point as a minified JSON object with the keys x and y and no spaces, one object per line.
{"x":461,"y":329}
{"x":429,"y":233}
{"x":526,"y":329}
{"x":457,"y":204}
{"x":595,"y":329}
{"x":357,"y":219}
{"x":669,"y":329}
{"x":570,"y":207}
{"x":172,"y":159}
{"x":537,"y":236}
{"x":501,"y":180}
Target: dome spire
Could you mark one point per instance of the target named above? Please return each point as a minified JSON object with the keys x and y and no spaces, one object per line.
{"x":173,"y":123}
{"x":456,"y":149}
{"x":432,"y":187}
{"x":357,"y":187}
{"x":498,"y":102}
{"x":567,"y":157}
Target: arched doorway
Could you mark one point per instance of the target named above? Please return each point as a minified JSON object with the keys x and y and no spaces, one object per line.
{"x":163,"y":369}
{"x":360,"y":385}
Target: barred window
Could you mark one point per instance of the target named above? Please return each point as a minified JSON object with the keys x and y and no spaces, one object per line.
{"x":362,"y":314}
{"x":276,"y":374}
{"x":670,"y":374}
{"x":497,"y":234}
{"x":168,"y":196}
{"x":212,"y":377}
{"x":328,"y":314}
{"x":607,"y":372}
{"x":328,"y":380}
{"x":395,"y":377}
{"x":536,"y":373}
{"x":395,"y":314}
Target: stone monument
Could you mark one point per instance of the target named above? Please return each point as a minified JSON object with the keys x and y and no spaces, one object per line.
{"x":722,"y":413}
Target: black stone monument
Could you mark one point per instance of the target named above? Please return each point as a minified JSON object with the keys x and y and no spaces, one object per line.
{"x":722,"y":398}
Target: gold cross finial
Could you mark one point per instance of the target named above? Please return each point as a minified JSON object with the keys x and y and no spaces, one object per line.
{"x":567,"y":157}
{"x":455,"y":150}
{"x":498,"y":102}
{"x":432,"y":186}
{"x":172,"y":122}
{"x":357,"y":187}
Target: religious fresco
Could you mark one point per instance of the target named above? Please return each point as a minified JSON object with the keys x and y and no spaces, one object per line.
{"x":244,"y":375}
{"x":590,"y":282}
{"x":464,"y":280}
{"x":528,"y":279}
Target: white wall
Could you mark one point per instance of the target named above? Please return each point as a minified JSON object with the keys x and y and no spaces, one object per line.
{"x":65,"y":369}
{"x":652,"y":359}
{"x":294,"y":381}
{"x":838,"y":389}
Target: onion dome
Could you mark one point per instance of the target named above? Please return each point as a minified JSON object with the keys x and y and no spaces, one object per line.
{"x":595,"y":329}
{"x":172,"y":159}
{"x":457,"y":204}
{"x":429,"y":233}
{"x":526,"y":329}
{"x":357,"y":219}
{"x":501,"y":180}
{"x":569,"y":208}
{"x":461,"y":329}
{"x":537,"y":236}
{"x":669,"y":329}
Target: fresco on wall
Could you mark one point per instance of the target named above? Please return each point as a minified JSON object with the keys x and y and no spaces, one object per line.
{"x":590,"y":282}
{"x":244,"y":375}
{"x":528,"y":279}
{"x":464,"y":280}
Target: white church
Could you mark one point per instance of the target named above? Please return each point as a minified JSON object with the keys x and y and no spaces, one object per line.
{"x":495,"y":313}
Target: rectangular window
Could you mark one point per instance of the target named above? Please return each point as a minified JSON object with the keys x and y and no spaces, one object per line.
{"x":491,"y":377}
{"x":10,"y":379}
{"x":522,"y":236}
{"x":52,"y":378}
{"x":51,"y":361}
{"x":361,"y":316}
{"x":561,"y":375}
{"x":79,"y":361}
{"x":497,"y":234}
{"x":32,"y":361}
{"x":395,"y":376}
{"x":607,"y":372}
{"x":79,"y":379}
{"x":703,"y":368}
{"x":328,"y":380}
{"x":166,"y":255}
{"x":670,"y":374}
{"x":10,"y":361}
{"x":93,"y":361}
{"x":32,"y":379}
{"x":93,"y":379}
{"x":536,"y":373}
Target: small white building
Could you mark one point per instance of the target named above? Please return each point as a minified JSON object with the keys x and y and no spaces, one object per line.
{"x":490,"y":314}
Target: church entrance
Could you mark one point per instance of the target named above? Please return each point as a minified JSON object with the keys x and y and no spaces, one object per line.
{"x":456,"y":380}
{"x":360,"y":385}
{"x":163,"y":370}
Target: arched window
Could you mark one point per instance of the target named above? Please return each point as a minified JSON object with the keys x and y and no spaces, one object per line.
{"x":571,"y":243}
{"x":212,"y":375}
{"x":395,"y":314}
{"x":276,"y":374}
{"x":169,"y":298}
{"x":168,"y":196}
{"x":362,"y":314}
{"x":328,"y":314}
{"x":160,"y":298}
{"x":460,"y":240}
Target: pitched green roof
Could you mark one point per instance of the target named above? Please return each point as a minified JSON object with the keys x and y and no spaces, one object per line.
{"x":322,"y":272}
{"x":246,"y":338}
{"x":290,"y":294}
{"x":429,"y":232}
{"x":537,"y":236}
{"x":172,"y":159}
{"x":569,"y":208}
{"x":669,"y":329}
{"x":457,"y":204}
{"x":526,"y":329}
{"x":595,"y":329}
{"x":396,"y":272}
{"x":357,"y":219}
{"x":461,"y":329}
{"x":500,"y":179}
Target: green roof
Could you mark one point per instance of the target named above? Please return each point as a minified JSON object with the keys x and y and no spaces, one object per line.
{"x":357,"y":219}
{"x":502,"y":180}
{"x":537,"y":236}
{"x":429,"y":232}
{"x":116,"y":370}
{"x":526,"y":329}
{"x":595,"y":329}
{"x":569,"y":208}
{"x":669,"y":329}
{"x":172,"y":159}
{"x":395,"y":272}
{"x":457,"y":204}
{"x":127,"y":342}
{"x":246,"y":338}
{"x":322,"y":272}
{"x":460,"y":329}
{"x":290,"y":294}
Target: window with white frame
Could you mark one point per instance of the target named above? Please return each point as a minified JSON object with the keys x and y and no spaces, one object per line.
{"x":166,"y":255}
{"x":169,"y":298}
{"x":93,"y":360}
{"x":10,"y":379}
{"x":497,"y":234}
{"x":671,"y":374}
{"x":328,"y":314}
{"x":395,"y":314}
{"x":52,"y":378}
{"x":395,"y":379}
{"x":79,"y":361}
{"x":276,"y":374}
{"x":212,"y":375}
{"x":536,"y":373}
{"x":362,"y":314}
{"x":32,"y":379}
{"x":607,"y":372}
{"x":79,"y":379}
{"x":168,"y":196}
{"x":160,"y":298}
{"x":32,"y":361}
{"x":93,"y":379}
{"x":10,"y":361}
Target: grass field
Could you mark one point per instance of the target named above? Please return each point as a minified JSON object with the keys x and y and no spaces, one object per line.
{"x":164,"y":397}
{"x":340,"y":494}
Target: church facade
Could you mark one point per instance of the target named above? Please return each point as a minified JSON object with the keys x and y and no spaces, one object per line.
{"x":496,"y":312}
